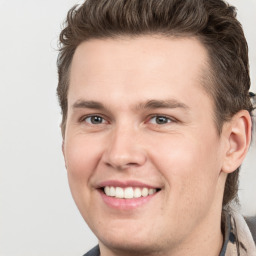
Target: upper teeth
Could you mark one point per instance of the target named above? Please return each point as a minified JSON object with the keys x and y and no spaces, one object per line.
{"x":128,"y":192}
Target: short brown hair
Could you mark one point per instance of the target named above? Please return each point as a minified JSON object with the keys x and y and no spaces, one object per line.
{"x":213,"y":22}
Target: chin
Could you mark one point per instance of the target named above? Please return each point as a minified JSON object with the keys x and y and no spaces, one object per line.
{"x":131,"y":246}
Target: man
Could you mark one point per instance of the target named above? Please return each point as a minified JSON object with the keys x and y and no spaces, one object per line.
{"x":156,"y":123}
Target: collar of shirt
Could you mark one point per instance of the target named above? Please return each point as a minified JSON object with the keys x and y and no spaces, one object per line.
{"x":237,"y":238}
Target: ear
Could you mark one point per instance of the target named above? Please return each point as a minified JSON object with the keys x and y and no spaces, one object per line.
{"x":63,"y":152}
{"x":62,"y":147}
{"x":238,"y":135}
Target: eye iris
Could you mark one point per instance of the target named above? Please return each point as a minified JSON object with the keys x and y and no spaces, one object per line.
{"x":161,"y":120}
{"x":96,"y":120}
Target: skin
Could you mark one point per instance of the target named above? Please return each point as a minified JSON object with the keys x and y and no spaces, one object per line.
{"x":183,"y":156}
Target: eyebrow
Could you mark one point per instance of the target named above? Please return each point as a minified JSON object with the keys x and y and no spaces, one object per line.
{"x":88,"y":104}
{"x":149,"y":104}
{"x":154,"y":104}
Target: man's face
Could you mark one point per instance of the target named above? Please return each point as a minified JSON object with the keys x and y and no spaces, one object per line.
{"x":139,"y":122}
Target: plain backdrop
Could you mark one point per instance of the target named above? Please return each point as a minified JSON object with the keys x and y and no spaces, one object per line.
{"x":37,"y":213}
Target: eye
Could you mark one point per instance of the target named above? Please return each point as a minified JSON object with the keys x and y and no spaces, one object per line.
{"x":94,"y":120}
{"x":159,"y":120}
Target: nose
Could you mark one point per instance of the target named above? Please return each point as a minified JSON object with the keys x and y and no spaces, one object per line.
{"x":124,"y":149}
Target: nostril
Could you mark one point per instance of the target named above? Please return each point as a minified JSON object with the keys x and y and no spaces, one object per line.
{"x":123,"y":155}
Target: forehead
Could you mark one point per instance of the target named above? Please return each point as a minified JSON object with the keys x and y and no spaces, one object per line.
{"x":152,"y":65}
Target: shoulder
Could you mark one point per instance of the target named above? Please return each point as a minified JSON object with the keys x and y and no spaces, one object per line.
{"x":93,"y":252}
{"x":251,"y":222}
{"x":240,"y":238}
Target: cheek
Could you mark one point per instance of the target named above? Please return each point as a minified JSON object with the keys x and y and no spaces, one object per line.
{"x":190,"y":167}
{"x":81,"y":156}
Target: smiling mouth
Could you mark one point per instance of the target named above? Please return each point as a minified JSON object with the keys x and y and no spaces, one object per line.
{"x":128,"y":192}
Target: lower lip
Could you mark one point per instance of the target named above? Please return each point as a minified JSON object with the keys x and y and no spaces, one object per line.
{"x":125,"y":204}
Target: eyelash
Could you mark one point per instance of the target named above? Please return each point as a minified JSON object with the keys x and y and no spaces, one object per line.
{"x":166,"y":118}
{"x":83,"y":119}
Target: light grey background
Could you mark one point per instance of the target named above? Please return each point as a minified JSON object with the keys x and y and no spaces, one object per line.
{"x":37,"y":214}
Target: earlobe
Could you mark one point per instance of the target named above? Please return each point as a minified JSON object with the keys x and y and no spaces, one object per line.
{"x":238,"y":135}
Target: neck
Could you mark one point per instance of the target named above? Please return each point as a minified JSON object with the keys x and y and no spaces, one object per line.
{"x":207,"y":239}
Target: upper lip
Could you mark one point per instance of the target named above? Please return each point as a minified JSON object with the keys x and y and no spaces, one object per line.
{"x":127,"y":183}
